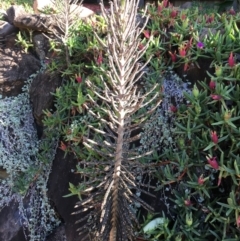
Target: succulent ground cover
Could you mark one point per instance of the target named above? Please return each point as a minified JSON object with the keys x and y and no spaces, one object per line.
{"x":197,"y":145}
{"x":192,"y":137}
{"x":196,"y":154}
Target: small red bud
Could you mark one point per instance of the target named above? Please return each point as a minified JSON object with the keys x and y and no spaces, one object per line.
{"x":214,"y":137}
{"x":212,"y":85}
{"x":63,"y":147}
{"x":183,"y":16}
{"x":140,"y":46}
{"x":232,"y":12}
{"x":201,"y":180}
{"x":173,"y":108}
{"x":173,"y":56}
{"x":160,"y":8}
{"x":173,"y":14}
{"x":238,"y":221}
{"x":216,"y":97}
{"x":182,"y":51}
{"x":213,"y":162}
{"x":210,"y":19}
{"x":99,"y":59}
{"x":78,"y":79}
{"x":146,"y":33}
{"x":231,"y":60}
{"x":165,"y":3}
{"x":187,"y":202}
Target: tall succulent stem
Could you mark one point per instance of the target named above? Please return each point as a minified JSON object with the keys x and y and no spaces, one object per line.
{"x":121,"y":99}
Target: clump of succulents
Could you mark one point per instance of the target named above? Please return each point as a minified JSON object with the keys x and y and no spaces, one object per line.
{"x":194,"y":131}
{"x":200,"y":174}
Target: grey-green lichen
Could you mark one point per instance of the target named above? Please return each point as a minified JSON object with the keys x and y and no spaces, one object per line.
{"x":159,"y":131}
{"x":23,"y":163}
{"x":18,"y":138}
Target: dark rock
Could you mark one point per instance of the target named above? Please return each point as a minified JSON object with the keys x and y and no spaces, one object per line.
{"x":186,"y":5}
{"x":41,"y":45}
{"x":47,"y":23}
{"x":236,"y":5}
{"x":34,"y":22}
{"x":40,"y":93}
{"x":141,"y":20}
{"x":196,"y":72}
{"x":141,"y":3}
{"x":206,"y":32}
{"x":58,"y":234}
{"x":10,"y":224}
{"x":58,"y":185}
{"x":15,"y":11}
{"x":10,"y":41}
{"x":15,"y":69}
{"x":7,"y":29}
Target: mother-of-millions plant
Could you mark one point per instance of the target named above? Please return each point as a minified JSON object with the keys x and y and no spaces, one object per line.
{"x":120,"y":105}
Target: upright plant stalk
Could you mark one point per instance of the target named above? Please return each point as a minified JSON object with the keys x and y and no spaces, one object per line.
{"x":65,"y":19}
{"x":121,"y":99}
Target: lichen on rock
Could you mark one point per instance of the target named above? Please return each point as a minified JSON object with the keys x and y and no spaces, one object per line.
{"x":23,"y":172}
{"x":159,"y":131}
